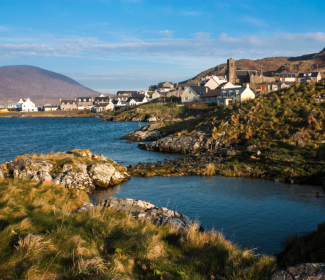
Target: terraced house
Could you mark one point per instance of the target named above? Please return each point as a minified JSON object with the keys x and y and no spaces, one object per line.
{"x":85,"y":102}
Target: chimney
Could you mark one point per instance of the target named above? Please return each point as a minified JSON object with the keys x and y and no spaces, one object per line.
{"x":206,"y":89}
{"x":198,"y":83}
{"x":247,"y":85}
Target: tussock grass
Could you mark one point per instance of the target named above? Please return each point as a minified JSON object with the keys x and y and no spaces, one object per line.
{"x":53,"y":242}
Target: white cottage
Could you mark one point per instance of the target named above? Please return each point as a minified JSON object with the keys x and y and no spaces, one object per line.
{"x":215,"y":81}
{"x":101,"y":107}
{"x":136,"y":100}
{"x":27,"y":105}
{"x":228,"y":96}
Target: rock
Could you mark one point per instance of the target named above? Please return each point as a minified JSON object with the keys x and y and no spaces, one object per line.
{"x":42,"y":177}
{"x":149,"y":132}
{"x":26,"y":168}
{"x":135,"y":119}
{"x":74,"y":180}
{"x":144,"y":210}
{"x":67,"y":167}
{"x":300,"y":143}
{"x":85,"y":207}
{"x":184,"y":144}
{"x":251,"y":147}
{"x":138,"y":110}
{"x":118,"y":177}
{"x":301,"y":272}
{"x":151,"y":119}
{"x":82,"y":166}
{"x":258,"y":152}
{"x":101,"y":173}
{"x":323,"y":141}
{"x":97,"y":156}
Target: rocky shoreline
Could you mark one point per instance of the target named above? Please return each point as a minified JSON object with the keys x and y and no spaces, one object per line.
{"x":75,"y":169}
{"x":142,"y":210}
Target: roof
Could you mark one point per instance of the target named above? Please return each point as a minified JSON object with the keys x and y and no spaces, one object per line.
{"x":101,"y":98}
{"x":11,"y":103}
{"x":115,"y":101}
{"x":212,"y":93}
{"x":277,"y":83}
{"x":68,"y":101}
{"x":88,"y":99}
{"x":287,"y":75}
{"x":224,"y":92}
{"x":199,"y":90}
{"x":308,"y":74}
{"x":136,"y":98}
{"x":101,"y":105}
{"x":126,"y":92}
{"x":50,"y":106}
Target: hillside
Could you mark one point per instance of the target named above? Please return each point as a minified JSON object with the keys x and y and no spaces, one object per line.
{"x":42,"y":86}
{"x":272,"y":65}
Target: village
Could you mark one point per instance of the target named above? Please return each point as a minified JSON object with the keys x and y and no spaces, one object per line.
{"x":235,"y":87}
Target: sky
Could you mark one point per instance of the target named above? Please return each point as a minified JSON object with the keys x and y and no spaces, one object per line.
{"x":111,"y":45}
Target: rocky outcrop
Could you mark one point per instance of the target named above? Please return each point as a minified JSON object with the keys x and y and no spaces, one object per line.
{"x":82,"y":170}
{"x":101,"y":173}
{"x":305,"y":271}
{"x":144,"y":210}
{"x":149,"y":132}
{"x":184,"y":144}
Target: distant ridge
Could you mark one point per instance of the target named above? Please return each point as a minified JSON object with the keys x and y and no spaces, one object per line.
{"x":42,"y":86}
{"x":271,"y":65}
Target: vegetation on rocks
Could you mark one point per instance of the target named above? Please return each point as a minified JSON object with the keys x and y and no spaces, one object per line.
{"x":279,"y":136}
{"x":42,"y":237}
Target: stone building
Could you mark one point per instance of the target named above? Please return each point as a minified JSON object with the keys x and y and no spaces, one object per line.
{"x":243,"y":77}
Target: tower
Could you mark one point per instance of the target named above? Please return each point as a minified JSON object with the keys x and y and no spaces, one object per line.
{"x":231,"y":73}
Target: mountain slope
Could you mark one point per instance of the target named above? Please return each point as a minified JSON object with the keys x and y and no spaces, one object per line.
{"x":42,"y":86}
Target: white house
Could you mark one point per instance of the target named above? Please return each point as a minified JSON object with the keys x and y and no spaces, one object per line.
{"x":192,"y":93}
{"x":227,"y":85}
{"x":287,"y":78}
{"x":27,"y":106}
{"x":136,"y":100}
{"x":215,"y":81}
{"x":228,"y":96}
{"x":155,"y":95}
{"x":101,"y":107}
{"x":309,"y":77}
{"x":49,"y":107}
{"x":277,"y":85}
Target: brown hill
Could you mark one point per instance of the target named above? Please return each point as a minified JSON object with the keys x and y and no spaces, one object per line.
{"x":272,"y":66}
{"x":42,"y":86}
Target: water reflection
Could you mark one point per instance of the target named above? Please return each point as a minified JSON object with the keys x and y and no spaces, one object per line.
{"x":261,"y":213}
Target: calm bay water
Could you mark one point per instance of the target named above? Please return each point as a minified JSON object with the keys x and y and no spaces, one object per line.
{"x":254,"y":213}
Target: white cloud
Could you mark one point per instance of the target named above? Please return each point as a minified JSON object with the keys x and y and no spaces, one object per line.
{"x":200,"y":45}
{"x":166,"y":32}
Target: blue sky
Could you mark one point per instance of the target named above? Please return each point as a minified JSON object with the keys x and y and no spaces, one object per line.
{"x":111,"y":45}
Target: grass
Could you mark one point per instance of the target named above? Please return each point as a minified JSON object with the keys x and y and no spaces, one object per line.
{"x":274,"y":123}
{"x":42,"y":238}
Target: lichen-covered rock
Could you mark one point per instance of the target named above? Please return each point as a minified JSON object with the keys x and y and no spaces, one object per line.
{"x":118,"y":177}
{"x":304,"y":271}
{"x":26,"y":168}
{"x":74,"y":180}
{"x":144,"y":210}
{"x":184,"y":144}
{"x":97,"y":156}
{"x":149,"y":132}
{"x":82,"y":166}
{"x":2,"y":173}
{"x":101,"y":173}
{"x":43,"y":177}
{"x":67,"y":167}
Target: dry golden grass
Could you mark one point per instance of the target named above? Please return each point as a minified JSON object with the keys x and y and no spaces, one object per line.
{"x":210,"y":169}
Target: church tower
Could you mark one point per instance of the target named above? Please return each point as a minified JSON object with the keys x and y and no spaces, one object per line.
{"x":231,"y":73}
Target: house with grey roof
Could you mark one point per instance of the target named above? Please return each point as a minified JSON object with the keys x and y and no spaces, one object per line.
{"x":277,"y":85}
{"x":309,"y":77}
{"x":192,"y":93}
{"x":287,"y":78}
{"x":228,"y":96}
{"x":101,"y":107}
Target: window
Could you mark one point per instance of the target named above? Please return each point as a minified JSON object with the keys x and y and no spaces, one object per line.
{"x":232,"y":65}
{"x":186,"y":98}
{"x":85,"y":100}
{"x":79,"y":100}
